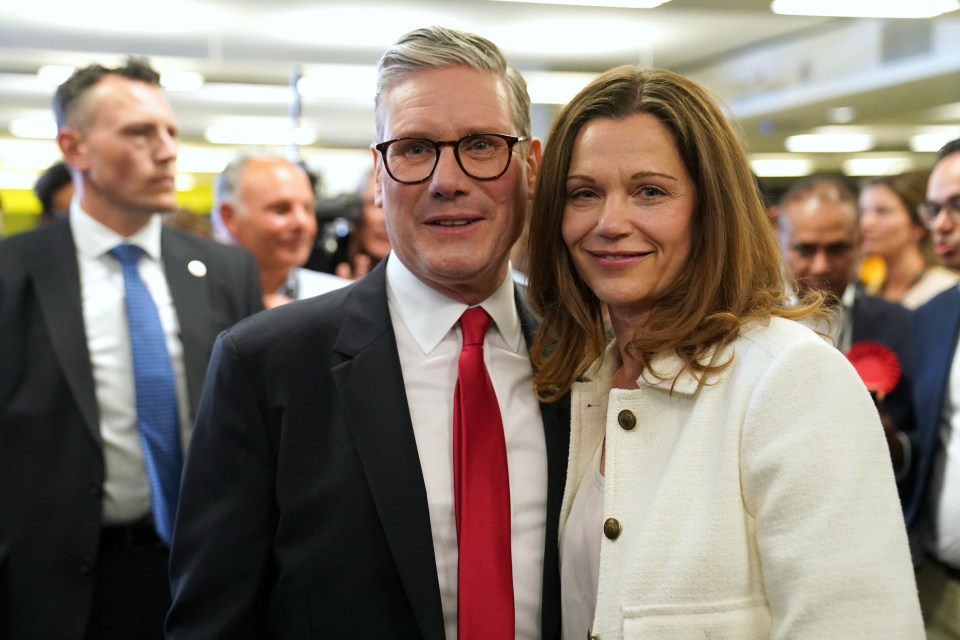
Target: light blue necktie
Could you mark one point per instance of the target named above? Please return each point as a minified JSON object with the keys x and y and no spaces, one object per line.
{"x":156,"y":392}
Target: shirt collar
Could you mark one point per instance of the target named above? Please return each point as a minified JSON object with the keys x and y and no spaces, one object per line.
{"x":429,"y":315}
{"x":93,"y":239}
{"x":848,"y":297}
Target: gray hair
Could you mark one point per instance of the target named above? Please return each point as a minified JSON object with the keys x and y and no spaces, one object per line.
{"x":437,"y":47}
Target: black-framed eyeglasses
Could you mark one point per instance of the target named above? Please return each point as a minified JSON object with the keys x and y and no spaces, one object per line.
{"x":483,"y":156}
{"x":929,"y":210}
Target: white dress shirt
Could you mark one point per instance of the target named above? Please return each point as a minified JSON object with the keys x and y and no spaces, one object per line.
{"x":306,"y":283}
{"x":429,"y":342}
{"x":126,"y":495}
{"x":580,"y":553}
{"x":945,"y":483}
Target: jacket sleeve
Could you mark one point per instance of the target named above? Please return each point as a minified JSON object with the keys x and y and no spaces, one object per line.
{"x":226,"y":512}
{"x":817,"y":478}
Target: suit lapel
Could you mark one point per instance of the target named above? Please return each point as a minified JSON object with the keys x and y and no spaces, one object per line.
{"x":556,"y":432}
{"x":383,"y":432}
{"x":57,"y":277}
{"x":190,"y":299}
{"x":935,"y":358}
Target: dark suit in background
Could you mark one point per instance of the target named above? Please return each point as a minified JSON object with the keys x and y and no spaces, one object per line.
{"x":51,"y":463}
{"x":934,"y":330}
{"x":888,"y":323}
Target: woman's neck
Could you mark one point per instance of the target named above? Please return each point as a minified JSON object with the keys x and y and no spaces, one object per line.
{"x":625,"y":328}
{"x":903,"y":271}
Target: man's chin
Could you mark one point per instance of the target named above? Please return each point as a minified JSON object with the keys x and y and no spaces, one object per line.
{"x":951,"y":259}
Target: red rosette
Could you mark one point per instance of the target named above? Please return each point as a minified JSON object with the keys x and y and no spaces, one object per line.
{"x":877,"y":364}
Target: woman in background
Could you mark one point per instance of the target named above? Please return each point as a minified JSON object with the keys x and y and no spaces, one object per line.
{"x":728,"y":475}
{"x":891,"y":229}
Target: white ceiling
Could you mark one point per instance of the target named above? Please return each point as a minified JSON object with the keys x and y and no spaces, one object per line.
{"x":779,"y":74}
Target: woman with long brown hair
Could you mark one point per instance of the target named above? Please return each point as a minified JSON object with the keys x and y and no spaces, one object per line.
{"x":728,"y":475}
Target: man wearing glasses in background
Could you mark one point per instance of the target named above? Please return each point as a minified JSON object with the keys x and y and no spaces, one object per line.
{"x":332,"y":488}
{"x":932,"y":497}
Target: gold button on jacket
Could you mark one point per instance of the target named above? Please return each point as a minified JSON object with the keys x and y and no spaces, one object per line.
{"x":612,"y":528}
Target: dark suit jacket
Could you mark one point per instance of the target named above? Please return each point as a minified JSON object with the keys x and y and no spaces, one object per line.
{"x":934,"y":330}
{"x":303,"y":511}
{"x":888,"y":323}
{"x":51,"y":463}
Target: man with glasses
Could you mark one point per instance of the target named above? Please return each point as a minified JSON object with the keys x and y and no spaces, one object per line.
{"x":820,"y":236}
{"x":933,"y":502}
{"x":373,"y":463}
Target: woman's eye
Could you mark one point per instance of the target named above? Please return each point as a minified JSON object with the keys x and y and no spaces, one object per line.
{"x":650,"y":192}
{"x":580,"y":194}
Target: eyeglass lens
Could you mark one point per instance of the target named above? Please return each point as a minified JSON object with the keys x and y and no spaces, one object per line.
{"x":930,"y":210}
{"x":481,"y":156}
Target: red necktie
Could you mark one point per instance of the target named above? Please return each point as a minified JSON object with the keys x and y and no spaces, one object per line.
{"x":482,"y":490}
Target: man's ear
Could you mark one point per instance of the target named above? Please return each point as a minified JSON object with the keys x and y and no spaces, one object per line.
{"x":377,"y":171}
{"x":73,"y":147}
{"x":533,"y":164}
{"x":228,"y":215}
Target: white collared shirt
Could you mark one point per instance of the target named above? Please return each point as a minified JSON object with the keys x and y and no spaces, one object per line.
{"x":945,"y":483}
{"x":126,"y":489}
{"x":429,"y":342}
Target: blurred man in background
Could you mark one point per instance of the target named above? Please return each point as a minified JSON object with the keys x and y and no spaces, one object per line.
{"x":54,"y":189}
{"x":265,"y":203}
{"x":820,"y":235}
{"x":933,"y":496}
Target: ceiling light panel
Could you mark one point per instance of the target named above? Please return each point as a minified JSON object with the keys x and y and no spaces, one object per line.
{"x":932,"y":141}
{"x":259,"y":131}
{"x":351,"y":27}
{"x":575,"y":36}
{"x":621,"y":4}
{"x":878,"y":166}
{"x":176,"y":16}
{"x":829,"y":142}
{"x":865,"y":8}
{"x":781,"y":167}
{"x":357,"y":83}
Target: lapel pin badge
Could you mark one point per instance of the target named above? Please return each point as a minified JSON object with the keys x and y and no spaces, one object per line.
{"x":197,"y":268}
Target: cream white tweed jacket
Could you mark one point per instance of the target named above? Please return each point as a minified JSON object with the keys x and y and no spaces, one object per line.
{"x":759,"y":504}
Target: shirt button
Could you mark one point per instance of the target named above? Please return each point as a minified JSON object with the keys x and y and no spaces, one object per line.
{"x":612,"y":528}
{"x":627,"y":420}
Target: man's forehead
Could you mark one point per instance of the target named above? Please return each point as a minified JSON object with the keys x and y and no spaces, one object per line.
{"x":819,"y":214}
{"x":115,"y":96}
{"x":945,"y":178}
{"x":454,"y":97}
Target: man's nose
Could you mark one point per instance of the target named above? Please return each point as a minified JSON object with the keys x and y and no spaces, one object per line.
{"x":820,"y":263}
{"x":447,"y":176}
{"x":943,"y":222}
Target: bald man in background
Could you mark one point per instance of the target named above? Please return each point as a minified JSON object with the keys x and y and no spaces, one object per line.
{"x":265,"y":203}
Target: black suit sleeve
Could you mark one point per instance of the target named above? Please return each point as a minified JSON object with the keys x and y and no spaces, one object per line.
{"x":219,"y":590}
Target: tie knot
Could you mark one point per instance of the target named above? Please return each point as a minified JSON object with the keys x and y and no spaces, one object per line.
{"x":474,"y":323}
{"x":127,"y":254}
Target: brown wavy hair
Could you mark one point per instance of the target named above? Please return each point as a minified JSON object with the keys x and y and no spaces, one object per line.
{"x":732,"y":276}
{"x":911,"y":190}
